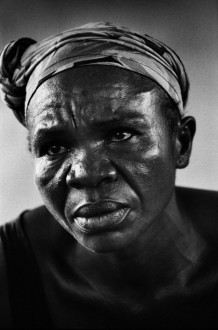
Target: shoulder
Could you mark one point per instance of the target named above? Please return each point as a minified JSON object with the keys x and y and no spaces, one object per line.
{"x":38,"y":213}
{"x":41,"y":227}
{"x":5,"y":310}
{"x":202,"y":206}
{"x":208,"y":197}
{"x":12,"y":237}
{"x":8,"y":242}
{"x":205,"y":201}
{"x":45,"y":235}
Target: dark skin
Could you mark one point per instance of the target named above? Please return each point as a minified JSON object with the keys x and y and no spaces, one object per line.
{"x":99,"y":134}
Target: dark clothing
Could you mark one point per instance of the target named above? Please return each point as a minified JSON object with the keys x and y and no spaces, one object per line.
{"x":27,"y":298}
{"x":193,"y":306}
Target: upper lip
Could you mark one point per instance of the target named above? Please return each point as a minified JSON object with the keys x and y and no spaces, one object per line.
{"x":98,"y":208}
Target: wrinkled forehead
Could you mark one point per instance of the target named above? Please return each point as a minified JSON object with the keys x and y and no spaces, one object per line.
{"x":105,"y":80}
{"x":104,"y":87}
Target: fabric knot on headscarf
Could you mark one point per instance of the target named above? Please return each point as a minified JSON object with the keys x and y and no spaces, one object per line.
{"x":13,"y":94}
{"x":26,"y":64}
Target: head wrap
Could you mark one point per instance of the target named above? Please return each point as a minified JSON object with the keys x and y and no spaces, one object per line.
{"x":26,"y":64}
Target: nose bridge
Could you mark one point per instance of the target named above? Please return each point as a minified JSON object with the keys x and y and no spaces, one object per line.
{"x":86,"y":160}
{"x":89,"y":167}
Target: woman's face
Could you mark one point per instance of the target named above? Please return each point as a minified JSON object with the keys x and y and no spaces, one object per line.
{"x":104,"y":161}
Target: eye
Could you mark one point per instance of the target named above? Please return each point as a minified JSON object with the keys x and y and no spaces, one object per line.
{"x":120,"y":135}
{"x":56,"y":150}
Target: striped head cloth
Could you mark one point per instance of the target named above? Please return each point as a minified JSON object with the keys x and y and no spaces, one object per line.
{"x":25,"y":64}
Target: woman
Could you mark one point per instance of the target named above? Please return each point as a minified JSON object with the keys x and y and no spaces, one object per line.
{"x":116,"y":244}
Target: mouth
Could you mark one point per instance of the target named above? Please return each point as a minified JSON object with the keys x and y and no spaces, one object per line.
{"x":100,"y":216}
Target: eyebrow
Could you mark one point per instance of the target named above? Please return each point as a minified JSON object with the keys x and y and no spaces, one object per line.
{"x":129,"y":117}
{"x":101,"y":124}
{"x":44,"y":134}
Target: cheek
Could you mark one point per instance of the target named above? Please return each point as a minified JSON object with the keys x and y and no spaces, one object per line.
{"x":153,"y":174}
{"x":51,"y":183}
{"x":150,"y":173}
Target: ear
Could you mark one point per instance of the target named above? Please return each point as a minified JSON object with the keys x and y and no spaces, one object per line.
{"x":184,"y":141}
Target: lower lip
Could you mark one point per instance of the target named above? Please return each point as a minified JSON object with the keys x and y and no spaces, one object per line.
{"x":103,"y":222}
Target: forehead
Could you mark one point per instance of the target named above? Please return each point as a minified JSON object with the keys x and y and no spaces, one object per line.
{"x":92,"y":93}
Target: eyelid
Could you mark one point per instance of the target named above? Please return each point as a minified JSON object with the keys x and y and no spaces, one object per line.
{"x":130,"y":131}
{"x":66,"y":149}
{"x":42,"y":150}
{"x":45,"y":139}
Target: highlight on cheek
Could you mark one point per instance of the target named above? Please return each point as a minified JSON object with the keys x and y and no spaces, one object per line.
{"x":50,"y":173}
{"x":43,"y":173}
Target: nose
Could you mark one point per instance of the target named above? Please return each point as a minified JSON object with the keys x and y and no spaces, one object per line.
{"x":91,"y":173}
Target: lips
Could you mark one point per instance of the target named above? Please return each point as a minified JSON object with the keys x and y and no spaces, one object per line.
{"x":100,"y":216}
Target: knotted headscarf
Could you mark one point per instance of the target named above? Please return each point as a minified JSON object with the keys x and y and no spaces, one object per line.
{"x":25,"y":64}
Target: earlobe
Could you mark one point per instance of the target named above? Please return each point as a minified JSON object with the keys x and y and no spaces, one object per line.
{"x":185,"y":137}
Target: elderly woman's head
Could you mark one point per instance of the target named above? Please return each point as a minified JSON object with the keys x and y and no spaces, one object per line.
{"x":106,"y":131}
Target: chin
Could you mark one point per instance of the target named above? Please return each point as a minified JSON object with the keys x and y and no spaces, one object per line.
{"x":108,"y":242}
